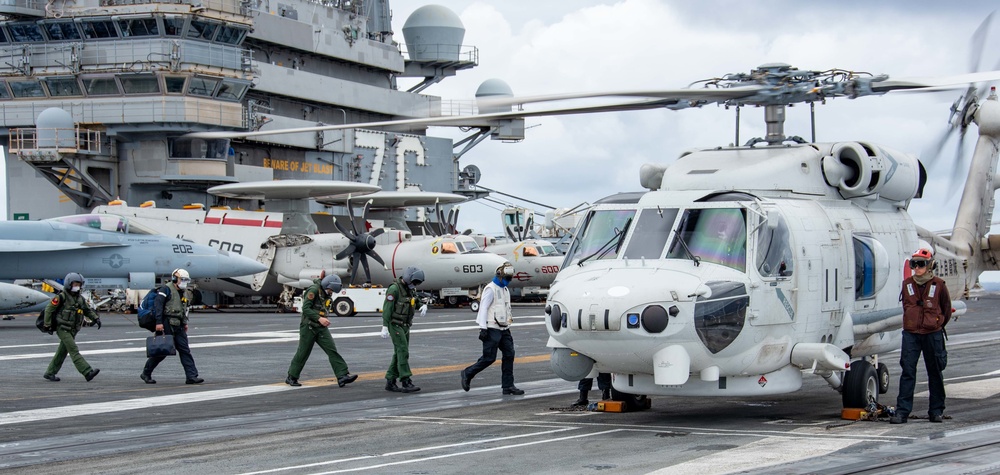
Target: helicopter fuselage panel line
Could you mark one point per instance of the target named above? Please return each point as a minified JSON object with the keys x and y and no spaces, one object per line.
{"x":746,"y":267}
{"x":51,"y":248}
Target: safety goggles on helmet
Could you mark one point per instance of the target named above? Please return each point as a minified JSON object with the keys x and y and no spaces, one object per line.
{"x":916,"y":264}
{"x":416,"y":282}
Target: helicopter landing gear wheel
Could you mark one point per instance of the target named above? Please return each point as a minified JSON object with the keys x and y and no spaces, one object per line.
{"x":632,"y":401}
{"x":861,"y":385}
{"x":343,"y":307}
{"x":883,"y":378}
{"x":474,"y":305}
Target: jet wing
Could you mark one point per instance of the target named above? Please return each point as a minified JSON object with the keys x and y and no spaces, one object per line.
{"x":11,"y":245}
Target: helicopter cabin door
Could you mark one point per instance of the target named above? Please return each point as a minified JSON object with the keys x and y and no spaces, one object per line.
{"x":772,"y":272}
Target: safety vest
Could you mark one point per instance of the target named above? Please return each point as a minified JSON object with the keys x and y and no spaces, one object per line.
{"x":402,"y":304}
{"x":173,"y":307}
{"x":499,"y":315}
{"x":71,"y":311}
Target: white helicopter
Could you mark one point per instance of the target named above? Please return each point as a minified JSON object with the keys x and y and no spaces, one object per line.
{"x":745,"y":266}
{"x":286,"y":239}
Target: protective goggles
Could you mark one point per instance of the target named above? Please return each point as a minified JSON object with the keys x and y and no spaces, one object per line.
{"x":416,"y":282}
{"x":918,"y":264}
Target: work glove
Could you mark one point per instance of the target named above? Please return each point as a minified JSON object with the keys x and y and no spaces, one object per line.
{"x":385,"y":332}
{"x":423,"y":311}
{"x":98,"y":323}
{"x":484,"y":335}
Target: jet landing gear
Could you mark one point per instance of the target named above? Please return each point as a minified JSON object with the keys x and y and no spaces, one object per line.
{"x":863,"y":383}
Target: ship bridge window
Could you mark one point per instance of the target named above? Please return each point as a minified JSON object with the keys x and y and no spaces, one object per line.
{"x":4,"y":93}
{"x":199,"y":148}
{"x":717,"y":235}
{"x":140,"y":84}
{"x":63,"y":87}
{"x":774,"y":249}
{"x":202,"y":30}
{"x":103,"y":86}
{"x":98,"y":29}
{"x":230,"y":36}
{"x":173,"y":25}
{"x":3,"y":36}
{"x":202,"y":86}
{"x":174,"y":84}
{"x":601,"y":235}
{"x":138,"y":27}
{"x":25,"y":33}
{"x":649,"y":235}
{"x":61,"y":30}
{"x":232,"y":90}
{"x":23,"y":89}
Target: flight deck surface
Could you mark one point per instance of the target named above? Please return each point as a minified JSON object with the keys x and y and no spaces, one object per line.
{"x":244,"y":419}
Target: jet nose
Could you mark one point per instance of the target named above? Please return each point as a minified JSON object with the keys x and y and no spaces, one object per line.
{"x":233,"y":265}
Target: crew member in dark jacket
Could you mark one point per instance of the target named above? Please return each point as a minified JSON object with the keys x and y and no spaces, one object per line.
{"x":313,"y":330}
{"x":64,"y":315}
{"x":926,"y":311}
{"x":171,"y":311}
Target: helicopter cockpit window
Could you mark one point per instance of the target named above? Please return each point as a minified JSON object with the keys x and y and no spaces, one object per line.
{"x":600,"y":235}
{"x":449,"y":248}
{"x":650,"y":234}
{"x":717,"y":235}
{"x":774,"y":250}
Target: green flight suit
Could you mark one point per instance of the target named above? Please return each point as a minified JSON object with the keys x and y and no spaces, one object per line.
{"x":312,"y":332}
{"x":397,"y":316}
{"x":66,"y":312}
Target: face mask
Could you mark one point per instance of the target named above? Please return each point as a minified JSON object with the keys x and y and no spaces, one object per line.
{"x":75,"y":289}
{"x":182,"y":285}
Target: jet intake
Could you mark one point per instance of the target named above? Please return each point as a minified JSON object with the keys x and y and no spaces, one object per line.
{"x":860,"y":169}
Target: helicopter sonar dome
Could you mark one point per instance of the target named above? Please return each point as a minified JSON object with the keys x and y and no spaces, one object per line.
{"x":433,"y":32}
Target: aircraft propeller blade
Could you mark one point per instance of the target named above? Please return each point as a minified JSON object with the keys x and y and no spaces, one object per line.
{"x":350,"y":214}
{"x":354,"y":270}
{"x":378,"y":258}
{"x":378,"y":232}
{"x":346,"y":252}
{"x":364,"y":263}
{"x":343,"y":230}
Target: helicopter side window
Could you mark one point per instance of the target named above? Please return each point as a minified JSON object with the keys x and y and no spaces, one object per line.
{"x":598,"y":235}
{"x":650,"y":234}
{"x":717,"y":235}
{"x":774,"y":251}
{"x":864,"y":270}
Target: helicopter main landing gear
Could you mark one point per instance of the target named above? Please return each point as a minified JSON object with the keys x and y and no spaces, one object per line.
{"x":863,"y":384}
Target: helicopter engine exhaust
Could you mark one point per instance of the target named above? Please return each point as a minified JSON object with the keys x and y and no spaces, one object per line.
{"x":860,"y":169}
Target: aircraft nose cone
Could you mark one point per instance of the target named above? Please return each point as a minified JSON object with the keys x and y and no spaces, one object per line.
{"x":233,"y":265}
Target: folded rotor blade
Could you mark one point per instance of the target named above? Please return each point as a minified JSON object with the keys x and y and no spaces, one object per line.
{"x":936,"y":83}
{"x":705,"y":94}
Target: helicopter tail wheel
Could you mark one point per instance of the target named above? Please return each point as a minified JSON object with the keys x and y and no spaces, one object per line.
{"x":632,"y":401}
{"x":883,"y":378}
{"x":343,"y":307}
{"x":861,"y":385}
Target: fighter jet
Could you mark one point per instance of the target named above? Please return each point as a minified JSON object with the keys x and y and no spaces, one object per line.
{"x":109,"y":250}
{"x":18,"y":299}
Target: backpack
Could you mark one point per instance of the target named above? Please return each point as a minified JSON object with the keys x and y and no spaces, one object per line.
{"x":146,"y":317}
{"x":40,"y":321}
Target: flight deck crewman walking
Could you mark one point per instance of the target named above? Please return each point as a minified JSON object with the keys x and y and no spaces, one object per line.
{"x":313,"y":330}
{"x":64,"y":315}
{"x":926,"y":311}
{"x":397,"y":317}
{"x":171,"y":311}
{"x":494,"y":321}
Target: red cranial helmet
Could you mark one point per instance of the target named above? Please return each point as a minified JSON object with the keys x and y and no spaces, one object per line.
{"x":924,"y":254}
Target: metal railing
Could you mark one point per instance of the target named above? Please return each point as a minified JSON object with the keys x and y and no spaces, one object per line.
{"x":24,"y":142}
{"x":138,"y":110}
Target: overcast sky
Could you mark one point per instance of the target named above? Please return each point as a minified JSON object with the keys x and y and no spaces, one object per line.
{"x":542,"y":47}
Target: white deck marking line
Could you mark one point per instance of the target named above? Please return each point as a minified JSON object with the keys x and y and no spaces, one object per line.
{"x":50,"y":413}
{"x":421,"y":449}
{"x":282,"y":339}
{"x":756,"y":454}
{"x":468,"y":452}
{"x":980,"y":389}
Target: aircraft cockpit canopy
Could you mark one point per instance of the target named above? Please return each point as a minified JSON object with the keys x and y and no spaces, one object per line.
{"x":449,"y":246}
{"x":539,"y":250}
{"x":106,"y":222}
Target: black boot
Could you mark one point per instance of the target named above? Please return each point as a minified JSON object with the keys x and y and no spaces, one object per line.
{"x":408,"y":386}
{"x":147,"y":378}
{"x":346,"y":379}
{"x":292,"y":381}
{"x":390,"y":385}
{"x":606,"y":396}
{"x":90,"y":375}
{"x":582,"y":401}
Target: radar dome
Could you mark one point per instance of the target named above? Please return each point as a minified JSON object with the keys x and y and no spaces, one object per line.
{"x":493,"y":89}
{"x":433,"y":32}
{"x":55,"y":129}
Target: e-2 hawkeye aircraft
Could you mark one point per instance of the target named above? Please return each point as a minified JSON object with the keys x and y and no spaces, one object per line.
{"x":285,"y":238}
{"x":110,"y":251}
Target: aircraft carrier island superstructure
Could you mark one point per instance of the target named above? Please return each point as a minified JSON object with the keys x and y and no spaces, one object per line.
{"x":96,"y":96}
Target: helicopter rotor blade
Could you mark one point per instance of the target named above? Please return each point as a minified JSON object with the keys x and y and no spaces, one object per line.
{"x":978,"y":42}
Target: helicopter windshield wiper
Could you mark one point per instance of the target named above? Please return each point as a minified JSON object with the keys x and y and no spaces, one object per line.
{"x":616,"y":239}
{"x":680,"y":238}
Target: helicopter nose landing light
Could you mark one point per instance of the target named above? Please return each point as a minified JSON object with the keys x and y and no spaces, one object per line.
{"x":654,"y":319}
